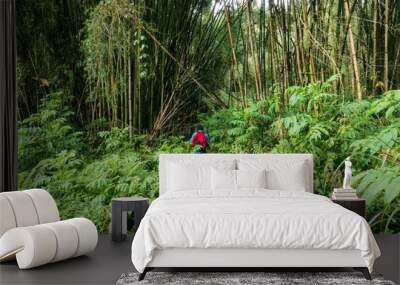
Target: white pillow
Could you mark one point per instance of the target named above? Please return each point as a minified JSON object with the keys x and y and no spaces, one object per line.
{"x":223,"y":179}
{"x":186,"y":175}
{"x":281,"y":174}
{"x":251,"y":179}
{"x":182,"y":177}
{"x":227,"y":179}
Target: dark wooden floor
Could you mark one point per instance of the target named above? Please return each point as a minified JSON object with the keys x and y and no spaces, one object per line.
{"x":110,"y":259}
{"x":389,"y":263}
{"x":103,"y":266}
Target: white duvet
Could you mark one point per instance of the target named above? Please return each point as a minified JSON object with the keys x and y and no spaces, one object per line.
{"x":250,"y":219}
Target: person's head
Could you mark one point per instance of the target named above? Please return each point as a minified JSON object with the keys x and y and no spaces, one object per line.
{"x":199,"y":127}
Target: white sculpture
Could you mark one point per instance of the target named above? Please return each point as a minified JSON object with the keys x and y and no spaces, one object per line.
{"x":347,"y":174}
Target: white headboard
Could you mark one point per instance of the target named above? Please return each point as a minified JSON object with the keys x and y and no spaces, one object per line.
{"x":210,"y":158}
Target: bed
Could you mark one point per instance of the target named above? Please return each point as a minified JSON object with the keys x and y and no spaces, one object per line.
{"x":245,"y":211}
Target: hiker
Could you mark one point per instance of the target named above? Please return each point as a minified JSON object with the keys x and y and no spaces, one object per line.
{"x":200,"y":140}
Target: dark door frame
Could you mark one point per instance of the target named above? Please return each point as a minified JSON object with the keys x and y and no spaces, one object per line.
{"x":8,"y":97}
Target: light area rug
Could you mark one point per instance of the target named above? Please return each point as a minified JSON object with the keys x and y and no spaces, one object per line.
{"x":269,"y":278}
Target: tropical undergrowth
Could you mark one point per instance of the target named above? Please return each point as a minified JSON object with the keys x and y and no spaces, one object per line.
{"x":84,"y":172}
{"x":331,"y":127}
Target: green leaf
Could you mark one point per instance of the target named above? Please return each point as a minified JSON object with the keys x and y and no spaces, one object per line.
{"x":356,"y":179}
{"x":376,"y":187}
{"x":368,"y":179}
{"x":392,"y":191}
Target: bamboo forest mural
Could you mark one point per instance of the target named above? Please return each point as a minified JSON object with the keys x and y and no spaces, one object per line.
{"x":105,"y":86}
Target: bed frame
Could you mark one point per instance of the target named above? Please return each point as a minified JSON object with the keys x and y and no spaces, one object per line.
{"x":249,"y":259}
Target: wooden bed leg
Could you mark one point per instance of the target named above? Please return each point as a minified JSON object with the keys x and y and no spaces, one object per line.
{"x":364,"y":271}
{"x":142,"y":275}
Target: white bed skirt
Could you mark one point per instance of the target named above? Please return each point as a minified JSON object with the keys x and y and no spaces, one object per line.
{"x":190,"y":257}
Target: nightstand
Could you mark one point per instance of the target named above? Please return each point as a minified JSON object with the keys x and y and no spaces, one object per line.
{"x":120,"y":208}
{"x":356,"y":205}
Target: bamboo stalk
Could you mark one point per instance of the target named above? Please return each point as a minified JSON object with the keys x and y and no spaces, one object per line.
{"x":233,"y":50}
{"x":356,"y":74}
{"x":272,"y":41}
{"x":250,"y":35}
{"x":386,"y":48}
{"x":395,"y":67}
{"x":130,"y":122}
{"x":374,"y":37}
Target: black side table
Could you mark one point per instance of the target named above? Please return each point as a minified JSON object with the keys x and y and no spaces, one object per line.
{"x":120,"y":208}
{"x":358,"y":206}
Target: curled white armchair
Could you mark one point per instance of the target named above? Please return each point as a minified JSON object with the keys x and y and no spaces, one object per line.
{"x":32,"y":233}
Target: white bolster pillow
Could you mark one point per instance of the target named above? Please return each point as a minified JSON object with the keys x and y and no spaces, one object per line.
{"x":40,"y":244}
{"x":7,"y":218}
{"x":87,"y":235}
{"x":32,"y":246}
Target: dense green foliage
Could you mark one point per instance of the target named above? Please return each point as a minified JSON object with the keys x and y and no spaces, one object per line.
{"x":104,"y":86}
{"x":84,"y":173}
{"x":144,"y":69}
{"x":48,"y":49}
{"x":149,"y":64}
